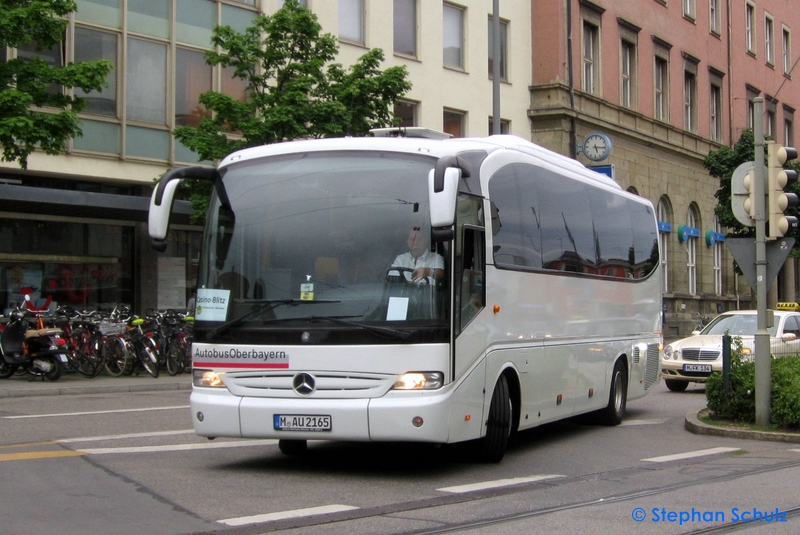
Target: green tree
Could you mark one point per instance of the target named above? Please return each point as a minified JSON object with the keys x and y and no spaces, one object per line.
{"x":293,"y":89}
{"x":33,"y":114}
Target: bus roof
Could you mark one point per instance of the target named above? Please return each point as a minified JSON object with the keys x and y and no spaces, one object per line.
{"x":416,"y":145}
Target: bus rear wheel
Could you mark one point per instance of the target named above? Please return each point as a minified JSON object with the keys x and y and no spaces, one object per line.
{"x":292,"y":447}
{"x":617,"y":396}
{"x":492,"y":447}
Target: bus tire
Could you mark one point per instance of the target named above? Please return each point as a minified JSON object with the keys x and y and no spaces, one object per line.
{"x":617,"y":396}
{"x":676,"y":386}
{"x":492,"y":447}
{"x":292,"y":447}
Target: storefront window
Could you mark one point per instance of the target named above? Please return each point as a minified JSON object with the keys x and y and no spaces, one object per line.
{"x":86,"y":266}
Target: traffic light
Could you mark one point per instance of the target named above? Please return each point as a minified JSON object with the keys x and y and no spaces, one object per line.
{"x":777,"y":179}
{"x":743,"y":199}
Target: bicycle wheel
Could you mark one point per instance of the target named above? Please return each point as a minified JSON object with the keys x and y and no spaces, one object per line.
{"x":146,"y":351}
{"x":174,"y":358}
{"x":116,"y":358}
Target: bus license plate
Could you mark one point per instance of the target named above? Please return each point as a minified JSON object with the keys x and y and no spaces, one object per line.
{"x":697,"y":368}
{"x":301,"y":422}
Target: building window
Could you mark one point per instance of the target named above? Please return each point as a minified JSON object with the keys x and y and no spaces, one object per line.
{"x":788,"y":127}
{"x":505,"y":126}
{"x":713,"y":17}
{"x":718,"y":245}
{"x":303,"y":3}
{"x":351,"y":21}
{"x":664,"y":217}
{"x":752,"y":93}
{"x":690,"y":96}
{"x":146,"y":81}
{"x":769,"y":39}
{"x":691,"y":251}
{"x":688,"y":9}
{"x":771,"y":125}
{"x":192,"y":78}
{"x":787,"y":51}
{"x":91,"y":45}
{"x":750,"y":27}
{"x":405,"y":27}
{"x":453,"y":36}
{"x":591,"y":55}
{"x":627,"y":74}
{"x":715,"y":106}
{"x":661,"y":88}
{"x":406,"y":111}
{"x":453,"y":123}
{"x":503,"y":49}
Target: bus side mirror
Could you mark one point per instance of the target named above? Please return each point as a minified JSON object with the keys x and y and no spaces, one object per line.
{"x":164,"y":194}
{"x":158,"y":216}
{"x":442,"y":203}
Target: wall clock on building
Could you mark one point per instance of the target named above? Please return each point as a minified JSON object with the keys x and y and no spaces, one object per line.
{"x":596,"y":146}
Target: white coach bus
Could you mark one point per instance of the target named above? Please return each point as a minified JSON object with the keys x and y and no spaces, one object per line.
{"x":538,"y":298}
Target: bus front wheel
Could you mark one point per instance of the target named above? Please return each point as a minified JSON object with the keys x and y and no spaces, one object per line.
{"x":492,"y":447}
{"x":292,"y":447}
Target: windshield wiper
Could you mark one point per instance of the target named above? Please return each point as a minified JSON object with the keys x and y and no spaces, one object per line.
{"x":342,"y":320}
{"x":263,"y":307}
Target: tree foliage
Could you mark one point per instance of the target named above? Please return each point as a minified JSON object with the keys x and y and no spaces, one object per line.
{"x":293,"y":89}
{"x":34,"y":111}
{"x":721,"y":164}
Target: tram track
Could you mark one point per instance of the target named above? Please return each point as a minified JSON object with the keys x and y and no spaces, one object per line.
{"x":451,"y":500}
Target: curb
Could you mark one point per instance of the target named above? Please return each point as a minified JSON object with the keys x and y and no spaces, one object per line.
{"x":57,"y":390}
{"x":694,"y":425}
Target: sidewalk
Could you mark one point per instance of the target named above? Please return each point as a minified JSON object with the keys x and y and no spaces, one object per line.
{"x":73,"y":383}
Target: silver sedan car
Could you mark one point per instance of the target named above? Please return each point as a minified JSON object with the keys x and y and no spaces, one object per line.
{"x":693,"y":359}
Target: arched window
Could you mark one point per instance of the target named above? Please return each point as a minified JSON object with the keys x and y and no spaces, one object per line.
{"x":717,"y":259}
{"x":664,"y":229}
{"x":692,"y":222}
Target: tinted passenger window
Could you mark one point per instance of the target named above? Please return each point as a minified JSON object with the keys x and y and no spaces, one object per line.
{"x":547,"y":221}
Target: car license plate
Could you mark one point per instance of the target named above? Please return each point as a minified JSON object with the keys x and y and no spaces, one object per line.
{"x":301,"y":422}
{"x":697,"y":368}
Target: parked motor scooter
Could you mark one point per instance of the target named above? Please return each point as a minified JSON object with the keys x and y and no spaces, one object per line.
{"x":26,"y":344}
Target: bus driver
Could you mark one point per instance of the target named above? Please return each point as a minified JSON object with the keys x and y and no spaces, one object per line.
{"x":421,"y":265}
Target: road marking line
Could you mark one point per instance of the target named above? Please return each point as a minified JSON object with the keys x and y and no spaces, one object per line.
{"x":178,"y":447}
{"x":92,"y":412}
{"x":29,"y":444}
{"x":690,"y":454}
{"x":129,"y":435}
{"x":497,"y":483}
{"x":38,"y":455}
{"x":654,"y":421}
{"x":296,"y":513}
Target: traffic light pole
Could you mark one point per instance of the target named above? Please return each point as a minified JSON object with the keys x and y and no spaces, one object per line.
{"x":763,"y":371}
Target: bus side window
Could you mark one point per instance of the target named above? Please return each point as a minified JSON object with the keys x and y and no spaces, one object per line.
{"x":471,"y":288}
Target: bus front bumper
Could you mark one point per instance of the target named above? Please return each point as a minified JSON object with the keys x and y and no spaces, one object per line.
{"x":406,"y":416}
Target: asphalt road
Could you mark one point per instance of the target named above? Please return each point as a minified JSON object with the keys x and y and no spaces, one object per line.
{"x":127,"y":463}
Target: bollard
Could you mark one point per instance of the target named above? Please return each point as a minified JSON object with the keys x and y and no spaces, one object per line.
{"x":726,"y":362}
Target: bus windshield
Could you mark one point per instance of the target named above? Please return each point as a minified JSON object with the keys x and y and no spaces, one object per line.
{"x":327,"y":246}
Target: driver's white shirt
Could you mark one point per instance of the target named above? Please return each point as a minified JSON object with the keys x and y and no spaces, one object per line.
{"x":428,"y":259}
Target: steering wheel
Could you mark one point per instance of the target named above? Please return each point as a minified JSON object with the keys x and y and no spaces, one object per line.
{"x":400,"y":277}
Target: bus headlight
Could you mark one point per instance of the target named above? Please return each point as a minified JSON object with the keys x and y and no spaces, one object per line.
{"x":419,"y":381}
{"x":207,"y":378}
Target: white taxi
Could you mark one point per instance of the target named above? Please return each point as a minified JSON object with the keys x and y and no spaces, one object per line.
{"x":693,"y":359}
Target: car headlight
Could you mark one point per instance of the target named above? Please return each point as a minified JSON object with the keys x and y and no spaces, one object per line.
{"x":207,"y":378}
{"x":668,"y":351}
{"x":419,"y":381}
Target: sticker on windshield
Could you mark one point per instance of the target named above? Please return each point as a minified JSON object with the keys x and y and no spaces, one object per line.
{"x":212,"y":305}
{"x":398,"y":309}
